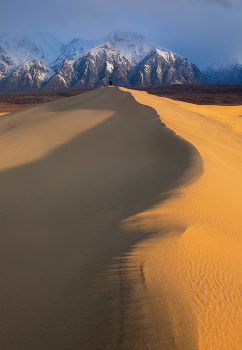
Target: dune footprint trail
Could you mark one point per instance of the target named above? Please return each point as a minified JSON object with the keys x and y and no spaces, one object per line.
{"x":72,"y":173}
{"x":197,"y":274}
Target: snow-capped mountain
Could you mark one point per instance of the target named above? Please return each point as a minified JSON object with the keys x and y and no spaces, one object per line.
{"x":226,"y":72}
{"x":132,"y":46}
{"x":126,"y":58}
{"x":13,"y":53}
{"x":22,"y":48}
{"x":165,"y":68}
{"x":27,"y":76}
{"x":74,"y":49}
{"x":49,"y":47}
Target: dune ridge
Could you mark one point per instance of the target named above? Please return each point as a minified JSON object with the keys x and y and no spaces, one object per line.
{"x":197,"y":272}
{"x":120,"y":224}
{"x":72,"y":173}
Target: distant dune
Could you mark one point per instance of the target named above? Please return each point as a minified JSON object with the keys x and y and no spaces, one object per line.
{"x":121,"y":224}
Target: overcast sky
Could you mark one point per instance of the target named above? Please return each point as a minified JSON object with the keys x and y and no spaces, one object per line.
{"x":203,"y":31}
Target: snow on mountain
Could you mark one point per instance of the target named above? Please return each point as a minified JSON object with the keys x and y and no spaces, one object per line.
{"x":165,"y":68}
{"x":132,"y":46}
{"x":49,"y":46}
{"x":13,"y":53}
{"x":28,"y":44}
{"x":225,"y":72}
{"x":72,"y":51}
{"x":167,"y":55}
{"x":162,"y":48}
{"x":127,"y":58}
{"x":227,"y":64}
{"x":100,"y":64}
{"x":30,"y":75}
{"x":15,"y":49}
{"x":77,"y":44}
{"x":22,"y":48}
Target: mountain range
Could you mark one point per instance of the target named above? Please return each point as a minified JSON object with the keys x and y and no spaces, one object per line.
{"x":42,"y":62}
{"x":128,"y":59}
{"x":226,"y":72}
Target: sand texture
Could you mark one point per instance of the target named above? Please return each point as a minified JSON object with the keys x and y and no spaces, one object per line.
{"x":196,"y":273}
{"x":120,"y":224}
{"x":71,"y":172}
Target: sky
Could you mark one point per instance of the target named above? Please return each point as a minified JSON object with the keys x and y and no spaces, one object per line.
{"x":203,"y":31}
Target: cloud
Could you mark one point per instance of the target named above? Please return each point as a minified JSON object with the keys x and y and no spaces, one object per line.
{"x":204,"y":31}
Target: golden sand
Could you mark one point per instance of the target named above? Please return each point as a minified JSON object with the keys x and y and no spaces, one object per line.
{"x":117,"y":231}
{"x":71,"y":172}
{"x":198,"y":271}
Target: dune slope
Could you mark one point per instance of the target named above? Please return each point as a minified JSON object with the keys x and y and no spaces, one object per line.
{"x":72,"y":173}
{"x":193,"y":278}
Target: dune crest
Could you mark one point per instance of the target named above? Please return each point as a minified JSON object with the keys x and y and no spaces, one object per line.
{"x":198,"y":272}
{"x":120,"y":224}
{"x":73,"y":171}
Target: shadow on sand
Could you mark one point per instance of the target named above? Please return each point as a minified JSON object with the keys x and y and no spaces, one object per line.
{"x":60,"y":219}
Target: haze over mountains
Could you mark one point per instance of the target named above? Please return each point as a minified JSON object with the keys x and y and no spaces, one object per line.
{"x":128,"y":59}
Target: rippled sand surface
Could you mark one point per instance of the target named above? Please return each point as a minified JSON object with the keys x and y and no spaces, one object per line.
{"x":120,"y":224}
{"x":196,"y":271}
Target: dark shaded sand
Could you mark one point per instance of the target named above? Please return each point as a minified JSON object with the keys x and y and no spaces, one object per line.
{"x":72,"y":172}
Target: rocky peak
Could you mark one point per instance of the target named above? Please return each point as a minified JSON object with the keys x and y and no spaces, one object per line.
{"x":126,"y":58}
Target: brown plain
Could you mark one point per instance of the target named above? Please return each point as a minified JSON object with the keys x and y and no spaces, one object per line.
{"x":205,"y":94}
{"x":120,"y":224}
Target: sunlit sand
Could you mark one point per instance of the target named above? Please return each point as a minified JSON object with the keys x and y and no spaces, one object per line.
{"x":121,"y":224}
{"x":197,"y":272}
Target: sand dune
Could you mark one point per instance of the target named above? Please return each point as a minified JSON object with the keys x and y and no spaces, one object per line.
{"x":119,"y":231}
{"x":71,"y":172}
{"x":197,"y":273}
